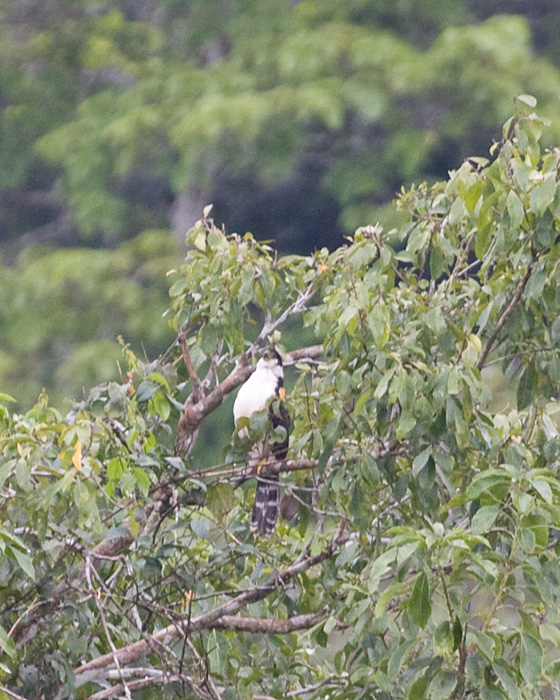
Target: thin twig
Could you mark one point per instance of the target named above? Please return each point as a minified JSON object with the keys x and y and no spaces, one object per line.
{"x":506,"y":314}
{"x":96,"y":596}
{"x":197,"y":392}
{"x":497,"y":597}
{"x":135,"y":685}
{"x":11,"y":693}
{"x":212,"y":618}
{"x":270,"y":326}
{"x":312,"y":688}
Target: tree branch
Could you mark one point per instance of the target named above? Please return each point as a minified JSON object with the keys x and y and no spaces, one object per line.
{"x":11,"y":693}
{"x":108,"y":548}
{"x":97,"y":600}
{"x":506,"y":314}
{"x":197,"y":392}
{"x":197,"y":409}
{"x":209,"y":620}
{"x":237,"y":474}
{"x":135,"y":685}
{"x":260,"y":626}
{"x":312,"y":688}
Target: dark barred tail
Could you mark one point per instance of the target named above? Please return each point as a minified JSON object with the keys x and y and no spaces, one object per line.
{"x":265,"y":510}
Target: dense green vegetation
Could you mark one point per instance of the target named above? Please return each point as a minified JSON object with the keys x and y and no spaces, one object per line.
{"x":298,"y":120}
{"x":422,"y":559}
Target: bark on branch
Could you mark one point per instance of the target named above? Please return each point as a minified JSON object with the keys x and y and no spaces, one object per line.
{"x":260,"y":626}
{"x":27,"y":625}
{"x":196,"y":408}
{"x":506,"y":314}
{"x":210,"y":620}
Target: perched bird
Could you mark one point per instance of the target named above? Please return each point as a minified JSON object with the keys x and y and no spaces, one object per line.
{"x":266,"y":382}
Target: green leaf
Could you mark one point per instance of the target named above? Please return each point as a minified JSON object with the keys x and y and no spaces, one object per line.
{"x":406,"y":424}
{"x":381,"y":388}
{"x":115,"y":468}
{"x":543,"y":489}
{"x":473,"y":195}
{"x":486,"y":481}
{"x":531,"y":659}
{"x":555,"y":330}
{"x":420,"y":460}
{"x":507,"y":677}
{"x":220,"y":500}
{"x":419,"y":606}
{"x":443,"y":638}
{"x":24,"y":560}
{"x":492,"y":694}
{"x":550,"y":633}
{"x":378,"y":322}
{"x":442,"y":685}
{"x":199,"y":240}
{"x":201,"y":528}
{"x":379,"y":567}
{"x":486,"y":644}
{"x":418,"y":689}
{"x":146,"y":390}
{"x":7,"y":644}
{"x":142,"y":480}
{"x":528,"y":100}
{"x":437,"y":263}
{"x":484,"y":518}
{"x":361,"y":402}
{"x":515,"y":209}
{"x":533,"y":532}
{"x":397,"y":658}
{"x":160,"y":405}
{"x":457,"y":631}
{"x":543,"y":194}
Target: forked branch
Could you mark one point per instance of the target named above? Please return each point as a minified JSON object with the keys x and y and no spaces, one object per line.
{"x":214,"y":618}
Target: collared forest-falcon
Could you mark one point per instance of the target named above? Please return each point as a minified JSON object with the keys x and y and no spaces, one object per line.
{"x":266,"y":382}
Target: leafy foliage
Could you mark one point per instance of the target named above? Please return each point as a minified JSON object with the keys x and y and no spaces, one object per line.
{"x":423,"y":560}
{"x":62,"y":310}
{"x":299,"y":120}
{"x":378,"y":104}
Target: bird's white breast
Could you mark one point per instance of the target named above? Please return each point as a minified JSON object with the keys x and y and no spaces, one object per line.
{"x":254,"y":394}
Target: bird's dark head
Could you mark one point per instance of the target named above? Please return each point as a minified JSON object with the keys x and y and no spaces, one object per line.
{"x":273,"y":356}
{"x":271,"y":361}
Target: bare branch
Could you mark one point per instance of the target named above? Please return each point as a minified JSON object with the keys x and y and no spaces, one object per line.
{"x":193,"y":376}
{"x":96,"y":597}
{"x":211,"y":619}
{"x":270,"y":326}
{"x":108,"y":548}
{"x":237,"y":474}
{"x":196,"y":410}
{"x":214,"y":362}
{"x":116,"y":690}
{"x":260,"y":626}
{"x":11,"y":693}
{"x":506,"y":314}
{"x":312,"y":688}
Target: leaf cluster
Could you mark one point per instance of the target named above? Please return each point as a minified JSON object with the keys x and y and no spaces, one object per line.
{"x":422,"y":557}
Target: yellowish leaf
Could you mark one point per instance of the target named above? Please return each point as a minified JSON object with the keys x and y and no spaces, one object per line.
{"x":77,"y":458}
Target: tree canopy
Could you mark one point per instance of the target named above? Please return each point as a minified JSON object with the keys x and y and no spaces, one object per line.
{"x":422,"y":560}
{"x":300,"y":121}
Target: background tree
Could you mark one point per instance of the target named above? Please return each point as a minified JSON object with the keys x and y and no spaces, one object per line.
{"x":300,"y":121}
{"x":423,"y":560}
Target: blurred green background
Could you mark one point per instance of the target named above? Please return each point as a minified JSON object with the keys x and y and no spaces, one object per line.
{"x":299,"y":120}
